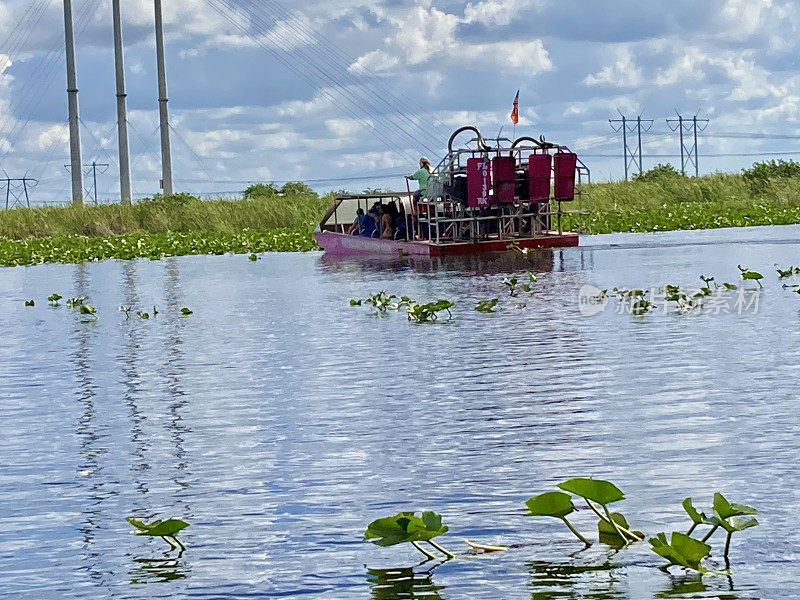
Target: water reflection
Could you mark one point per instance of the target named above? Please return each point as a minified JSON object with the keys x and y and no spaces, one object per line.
{"x":694,"y":586}
{"x":594,"y":582}
{"x":391,"y":584}
{"x":543,"y":260}
{"x":90,"y":431}
{"x":158,"y":570}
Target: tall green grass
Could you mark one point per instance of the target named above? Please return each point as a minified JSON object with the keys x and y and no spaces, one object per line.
{"x":179,"y":213}
{"x":718,"y":200}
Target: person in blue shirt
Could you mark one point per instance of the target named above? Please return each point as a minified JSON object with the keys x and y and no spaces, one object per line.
{"x":363,"y":225}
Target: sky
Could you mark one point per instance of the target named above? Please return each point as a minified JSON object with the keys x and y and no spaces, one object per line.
{"x":349,"y":94}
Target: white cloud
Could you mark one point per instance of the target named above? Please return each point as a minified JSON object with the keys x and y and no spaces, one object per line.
{"x":347,"y":128}
{"x":530,"y":56}
{"x":494,"y":12}
{"x":623,"y":72}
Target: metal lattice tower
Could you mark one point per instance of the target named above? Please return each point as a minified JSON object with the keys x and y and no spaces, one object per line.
{"x":93,"y":168}
{"x":632,"y":151}
{"x":688,"y":150}
{"x":18,"y":191}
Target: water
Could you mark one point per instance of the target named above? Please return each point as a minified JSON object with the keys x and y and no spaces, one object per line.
{"x":279,"y":421}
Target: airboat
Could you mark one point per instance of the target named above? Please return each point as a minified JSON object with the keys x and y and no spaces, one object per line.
{"x":489,"y":195}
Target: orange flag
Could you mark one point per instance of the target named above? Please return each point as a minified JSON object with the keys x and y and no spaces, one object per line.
{"x":515,"y":110}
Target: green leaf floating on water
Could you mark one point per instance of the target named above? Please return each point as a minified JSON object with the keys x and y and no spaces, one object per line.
{"x":726,"y":509}
{"x":600,"y":491}
{"x":550,"y":504}
{"x":158,"y":527}
{"x":86,"y":309}
{"x":405,"y":527}
{"x":186,"y":311}
{"x":609,"y":536}
{"x":682,"y":550}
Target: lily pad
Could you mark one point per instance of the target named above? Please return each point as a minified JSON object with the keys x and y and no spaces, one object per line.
{"x":600,"y":491}
{"x":405,"y":527}
{"x":696,"y":516}
{"x":550,"y":504}
{"x":158,"y":527}
{"x":609,"y":536}
{"x":682,"y":550}
{"x":727,"y":509}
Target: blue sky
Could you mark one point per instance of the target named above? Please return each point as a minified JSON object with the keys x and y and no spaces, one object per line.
{"x":348,"y":94}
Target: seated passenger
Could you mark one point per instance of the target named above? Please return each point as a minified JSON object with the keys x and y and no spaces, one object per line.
{"x":360,"y":223}
{"x":375,"y":213}
{"x":388,"y":221}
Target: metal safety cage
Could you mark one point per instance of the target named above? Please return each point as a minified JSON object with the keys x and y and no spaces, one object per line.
{"x":450,"y":213}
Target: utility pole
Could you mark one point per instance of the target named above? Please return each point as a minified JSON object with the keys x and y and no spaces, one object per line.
{"x":632,"y":154}
{"x":122,"y":111}
{"x":74,"y":115}
{"x":689,"y":153}
{"x":163,"y":109}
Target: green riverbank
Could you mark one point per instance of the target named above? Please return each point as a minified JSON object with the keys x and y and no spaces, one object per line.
{"x":271,"y":220}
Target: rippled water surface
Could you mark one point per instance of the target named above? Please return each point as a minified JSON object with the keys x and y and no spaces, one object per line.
{"x":279,"y":421}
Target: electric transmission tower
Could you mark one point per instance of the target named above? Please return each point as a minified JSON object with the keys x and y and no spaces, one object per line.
{"x":688,"y":149}
{"x":18,"y":190}
{"x":632,"y":152}
{"x":92,"y":168}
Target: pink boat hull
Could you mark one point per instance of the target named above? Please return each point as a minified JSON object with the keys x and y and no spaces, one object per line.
{"x":339,"y":244}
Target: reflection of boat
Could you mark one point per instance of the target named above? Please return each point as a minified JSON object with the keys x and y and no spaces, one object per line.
{"x":479,"y":199}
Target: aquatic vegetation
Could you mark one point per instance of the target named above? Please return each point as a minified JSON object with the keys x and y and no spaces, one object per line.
{"x":186,"y":311}
{"x":613,"y":528}
{"x":642,"y":306}
{"x":426,"y":313}
{"x":253,"y":257}
{"x":30,"y":303}
{"x":748,"y":275}
{"x":86,"y":309}
{"x":531,"y":280}
{"x":77,"y":249}
{"x":126,"y":310}
{"x":784,"y":273}
{"x":408,"y":527}
{"x":511,"y":283}
{"x":382,"y":301}
{"x":686,"y":551}
{"x":75,"y":302}
{"x":166,"y":530}
{"x":487,"y":306}
{"x":53,"y":299}
{"x":354,"y":302}
{"x":142,"y":315}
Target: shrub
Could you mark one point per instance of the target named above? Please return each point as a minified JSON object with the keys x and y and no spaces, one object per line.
{"x":297,"y":188}
{"x":261,"y":190}
{"x":762,"y":172}
{"x":658,"y":173}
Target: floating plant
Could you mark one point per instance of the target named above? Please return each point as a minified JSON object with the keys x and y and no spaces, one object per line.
{"x":86,"y":309}
{"x":253,"y":257}
{"x":408,"y":527}
{"x":747,"y":274}
{"x":166,"y":530}
{"x":783,"y":273}
{"x":30,"y":303}
{"x":613,"y":528}
{"x":126,"y":310}
{"x":53,"y":299}
{"x":186,"y":311}
{"x":75,"y":302}
{"x":686,"y":551}
{"x":486,"y":306}
{"x":511,"y":283}
{"x":142,"y":314}
{"x":426,"y":313}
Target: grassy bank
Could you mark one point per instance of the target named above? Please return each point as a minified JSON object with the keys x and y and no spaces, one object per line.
{"x":154,"y":228}
{"x":674,"y":202}
{"x":272,"y":221}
